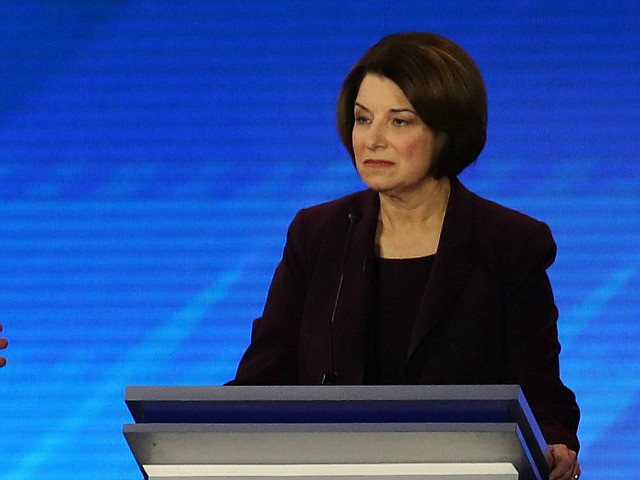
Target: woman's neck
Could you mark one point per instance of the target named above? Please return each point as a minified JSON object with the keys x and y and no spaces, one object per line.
{"x":424,"y":206}
{"x":410,"y":226}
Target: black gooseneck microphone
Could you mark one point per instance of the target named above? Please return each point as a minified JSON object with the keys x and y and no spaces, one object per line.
{"x":332,"y":377}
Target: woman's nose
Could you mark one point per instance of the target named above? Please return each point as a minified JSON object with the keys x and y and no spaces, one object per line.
{"x":376,"y":137}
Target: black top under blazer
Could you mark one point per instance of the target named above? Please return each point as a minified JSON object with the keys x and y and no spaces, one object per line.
{"x":487,"y":315}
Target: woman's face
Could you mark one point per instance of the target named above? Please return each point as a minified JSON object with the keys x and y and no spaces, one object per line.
{"x":393,"y":147}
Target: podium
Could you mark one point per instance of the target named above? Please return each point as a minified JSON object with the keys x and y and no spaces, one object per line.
{"x":335,"y":432}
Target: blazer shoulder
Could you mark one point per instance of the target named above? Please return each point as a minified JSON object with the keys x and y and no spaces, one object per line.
{"x":317,"y":218}
{"x":495,"y":219}
{"x":512,"y":236}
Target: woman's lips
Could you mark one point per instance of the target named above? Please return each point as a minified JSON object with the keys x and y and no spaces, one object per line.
{"x":378,"y":163}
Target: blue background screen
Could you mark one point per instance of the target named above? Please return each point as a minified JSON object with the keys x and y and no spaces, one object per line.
{"x":152,"y":155}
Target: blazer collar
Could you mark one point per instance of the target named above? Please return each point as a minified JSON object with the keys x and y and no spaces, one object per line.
{"x":452,"y":264}
{"x":355,"y":311}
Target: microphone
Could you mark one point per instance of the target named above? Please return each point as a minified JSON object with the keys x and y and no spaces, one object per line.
{"x":332,"y":377}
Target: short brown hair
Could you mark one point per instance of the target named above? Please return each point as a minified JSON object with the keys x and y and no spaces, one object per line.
{"x":443,"y":84}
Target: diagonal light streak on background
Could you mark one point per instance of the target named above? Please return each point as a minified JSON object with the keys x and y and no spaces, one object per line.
{"x":593,"y":359}
{"x":158,"y":344}
{"x":577,"y":319}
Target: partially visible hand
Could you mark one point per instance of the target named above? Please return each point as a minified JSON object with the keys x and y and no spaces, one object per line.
{"x":565,"y":464}
{"x":3,"y":344}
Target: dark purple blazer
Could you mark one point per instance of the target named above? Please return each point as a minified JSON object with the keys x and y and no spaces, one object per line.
{"x":487,"y":315}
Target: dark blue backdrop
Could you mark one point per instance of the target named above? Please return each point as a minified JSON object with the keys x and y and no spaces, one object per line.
{"x":153,"y":153}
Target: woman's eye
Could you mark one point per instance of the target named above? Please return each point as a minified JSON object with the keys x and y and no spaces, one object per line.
{"x":400,"y":122}
{"x":361,"y":119}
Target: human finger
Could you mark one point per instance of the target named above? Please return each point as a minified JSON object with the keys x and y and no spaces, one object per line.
{"x":564,"y":462}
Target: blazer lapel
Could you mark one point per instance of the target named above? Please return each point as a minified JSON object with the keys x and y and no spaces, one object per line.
{"x":451,"y":268}
{"x":351,"y":328}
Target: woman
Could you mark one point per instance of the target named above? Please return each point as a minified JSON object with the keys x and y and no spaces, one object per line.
{"x":416,"y":280}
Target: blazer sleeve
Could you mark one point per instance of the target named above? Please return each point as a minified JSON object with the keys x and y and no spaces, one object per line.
{"x":270,"y":358}
{"x":532,"y":346}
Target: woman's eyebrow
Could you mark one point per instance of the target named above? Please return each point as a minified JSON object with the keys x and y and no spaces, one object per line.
{"x":392,"y":110}
{"x":401,"y":110}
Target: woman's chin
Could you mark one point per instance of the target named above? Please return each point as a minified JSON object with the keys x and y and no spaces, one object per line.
{"x":377,"y":183}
